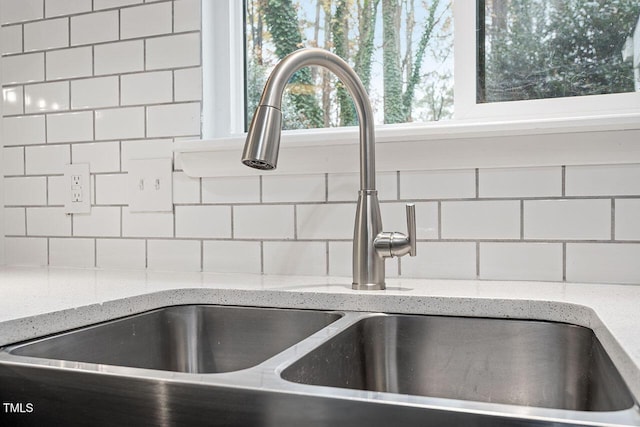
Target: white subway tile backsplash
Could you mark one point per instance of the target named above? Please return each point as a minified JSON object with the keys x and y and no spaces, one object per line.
{"x":147,"y":224}
{"x":107,"y":4}
{"x":206,"y":222}
{"x":147,"y":92}
{"x":70,"y":127}
{"x":607,"y":180}
{"x":69,"y":63}
{"x":65,"y":7}
{"x":111,"y":189}
{"x":173,"y":255}
{"x":147,"y":20}
{"x":567,"y":219}
{"x":78,"y":253}
{"x":25,"y":191}
{"x":603,"y":263}
{"x":442,"y":260}
{"x":186,"y":15}
{"x":44,"y":97}
{"x":173,"y":51}
{"x":94,"y":93}
{"x":11,"y":39}
{"x":13,"y":161}
{"x":147,"y":88}
{"x":120,"y":57}
{"x":120,"y":123}
{"x":303,"y":258}
{"x":627,"y":219}
{"x":50,"y":221}
{"x":263,"y":222}
{"x":188,"y":84}
{"x":228,"y":256}
{"x":145,"y":149}
{"x":94,"y":27}
{"x":49,"y":34}
{"x":23,"y":130}
{"x":56,"y":187}
{"x":341,"y":261}
{"x":293,"y":188}
{"x":12,"y":100}
{"x":521,"y":261}
{"x":445,"y":184}
{"x":47,"y":160}
{"x":103,"y":221}
{"x":23,"y":68}
{"x":173,"y":120}
{"x":185,"y":188}
{"x":394,"y":218}
{"x":480,"y":220}
{"x":244,"y":189}
{"x":121,"y":254}
{"x":15,"y":221}
{"x":344,"y":187}
{"x":333,"y":221}
{"x":26,"y":251}
{"x":101,"y":156}
{"x":520,"y":182}
{"x":21,"y":10}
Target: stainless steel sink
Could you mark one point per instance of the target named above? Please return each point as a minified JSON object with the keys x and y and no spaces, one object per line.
{"x":527,"y":363}
{"x":235,"y":366}
{"x":193,"y":338}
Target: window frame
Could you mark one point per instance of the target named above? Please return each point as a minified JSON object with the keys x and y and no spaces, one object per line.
{"x":610,"y":122}
{"x":465,"y":86}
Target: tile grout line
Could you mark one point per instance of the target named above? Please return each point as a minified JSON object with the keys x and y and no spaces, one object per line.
{"x":521,"y":219}
{"x":564,"y":261}
{"x":327,"y":257}
{"x":613,"y":219}
{"x":477,"y":260}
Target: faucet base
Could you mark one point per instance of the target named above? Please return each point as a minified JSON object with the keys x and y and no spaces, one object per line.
{"x":368,"y":286}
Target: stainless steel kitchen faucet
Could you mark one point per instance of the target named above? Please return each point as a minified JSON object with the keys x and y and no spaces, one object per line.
{"x":370,"y":245}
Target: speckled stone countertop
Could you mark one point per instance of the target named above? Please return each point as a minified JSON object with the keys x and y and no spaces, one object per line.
{"x":40,"y":301}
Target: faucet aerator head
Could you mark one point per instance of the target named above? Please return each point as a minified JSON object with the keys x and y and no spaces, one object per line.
{"x":258,"y":164}
{"x":263,"y":139}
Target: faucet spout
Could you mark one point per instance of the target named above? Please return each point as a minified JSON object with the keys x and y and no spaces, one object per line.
{"x":263,"y":139}
{"x":370,"y":245}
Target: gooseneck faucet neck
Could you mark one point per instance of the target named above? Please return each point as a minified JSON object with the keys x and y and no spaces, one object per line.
{"x":370,"y":244}
{"x":264,"y":133}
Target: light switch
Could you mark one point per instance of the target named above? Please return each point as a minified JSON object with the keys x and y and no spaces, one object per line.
{"x":150,"y":185}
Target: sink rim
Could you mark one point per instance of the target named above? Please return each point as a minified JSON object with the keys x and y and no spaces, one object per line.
{"x":266,"y":376}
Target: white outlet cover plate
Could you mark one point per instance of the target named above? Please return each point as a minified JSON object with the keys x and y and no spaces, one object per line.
{"x":150,"y":185}
{"x":82,"y":202}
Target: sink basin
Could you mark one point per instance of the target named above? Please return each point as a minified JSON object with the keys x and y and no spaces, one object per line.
{"x":203,"y":365}
{"x":517,"y":362}
{"x":192,"y":338}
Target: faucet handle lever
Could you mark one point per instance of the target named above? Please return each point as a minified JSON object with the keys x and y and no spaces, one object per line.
{"x":411,"y":227}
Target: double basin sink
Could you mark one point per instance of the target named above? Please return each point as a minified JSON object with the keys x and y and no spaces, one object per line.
{"x":242,"y":366}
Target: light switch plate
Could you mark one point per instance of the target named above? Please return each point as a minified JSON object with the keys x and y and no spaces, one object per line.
{"x":150,"y":185}
{"x":77,"y":188}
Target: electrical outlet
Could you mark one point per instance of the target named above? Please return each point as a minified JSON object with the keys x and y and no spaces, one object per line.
{"x":150,"y":184}
{"x":77,"y":184}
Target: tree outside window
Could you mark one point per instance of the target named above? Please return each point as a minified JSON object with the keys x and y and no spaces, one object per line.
{"x":401,"y":49}
{"x":536,"y":49}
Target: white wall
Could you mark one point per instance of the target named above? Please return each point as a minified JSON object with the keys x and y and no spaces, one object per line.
{"x":126,"y":81}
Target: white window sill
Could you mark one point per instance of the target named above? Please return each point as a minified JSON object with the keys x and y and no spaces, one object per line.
{"x":604,"y":139}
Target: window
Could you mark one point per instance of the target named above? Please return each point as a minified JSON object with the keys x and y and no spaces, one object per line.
{"x":535,"y":49}
{"x":401,"y":49}
{"x":491,"y":81}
